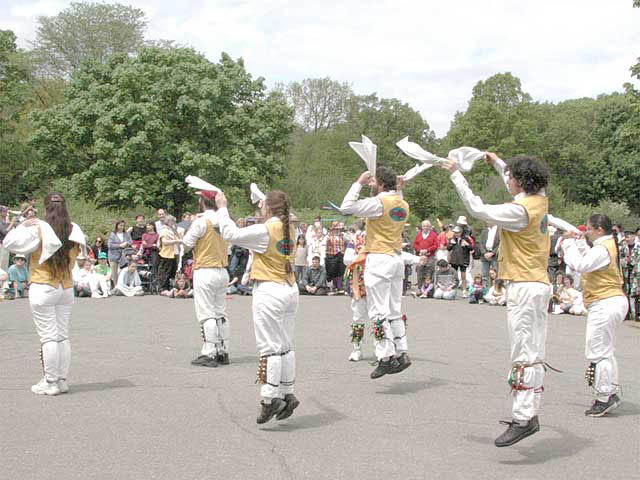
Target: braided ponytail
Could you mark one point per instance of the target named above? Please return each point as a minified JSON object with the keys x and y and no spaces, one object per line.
{"x":278,"y":203}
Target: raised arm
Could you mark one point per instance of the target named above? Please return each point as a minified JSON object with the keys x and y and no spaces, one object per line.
{"x":587,"y":260}
{"x":366,"y":207}
{"x":253,"y":237}
{"x":23,"y":239}
{"x":498,"y":165}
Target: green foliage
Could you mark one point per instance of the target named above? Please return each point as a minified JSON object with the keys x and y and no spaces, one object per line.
{"x":132,"y":129}
{"x":86,"y":33}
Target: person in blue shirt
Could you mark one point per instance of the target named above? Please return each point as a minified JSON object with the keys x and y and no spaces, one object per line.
{"x":18,"y":277}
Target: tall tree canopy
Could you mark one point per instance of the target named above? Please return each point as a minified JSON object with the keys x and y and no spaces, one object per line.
{"x":133,"y":128}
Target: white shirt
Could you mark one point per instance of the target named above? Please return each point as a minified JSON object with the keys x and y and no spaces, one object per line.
{"x":254,"y":237}
{"x":583,"y":259}
{"x":367,"y":207}
{"x":198,"y":228}
{"x":491,"y":237}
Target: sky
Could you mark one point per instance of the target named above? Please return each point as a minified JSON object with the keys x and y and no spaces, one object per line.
{"x":426,"y":53}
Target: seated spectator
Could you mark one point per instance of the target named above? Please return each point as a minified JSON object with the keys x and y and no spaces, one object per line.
{"x":315,"y":279}
{"x":18,"y":278}
{"x":497,"y":294}
{"x":570,"y":299}
{"x":3,"y":278}
{"x":446,"y":281}
{"x":188,"y":269}
{"x":477,"y":290}
{"x":103,"y":268}
{"x":558,"y":285}
{"x":81,"y":276}
{"x":181,"y":288}
{"x":129,"y":283}
{"x":427,"y":288}
{"x":460,"y":247}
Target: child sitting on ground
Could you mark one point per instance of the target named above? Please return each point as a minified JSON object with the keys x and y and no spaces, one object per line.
{"x":476,"y":290}
{"x":426,"y":289}
{"x":570,"y":300}
{"x":181,"y":288}
{"x":18,"y":278}
{"x":496,"y":294}
{"x":446,"y":281}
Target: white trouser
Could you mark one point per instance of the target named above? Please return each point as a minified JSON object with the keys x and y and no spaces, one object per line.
{"x":444,"y":294}
{"x":274,"y":312}
{"x":603,"y":319}
{"x":527,"y":304}
{"x":97,"y":283}
{"x":209,"y":294}
{"x":51,"y":309}
{"x":383,"y":275}
{"x":360,"y":316}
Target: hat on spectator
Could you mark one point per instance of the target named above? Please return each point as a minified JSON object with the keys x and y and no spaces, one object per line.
{"x":19,"y":255}
{"x":582,"y":228}
{"x":102,"y":255}
{"x":462,"y":220}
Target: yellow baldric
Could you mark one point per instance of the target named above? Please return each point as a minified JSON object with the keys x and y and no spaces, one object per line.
{"x":524,"y":255}
{"x":210,"y":251}
{"x":43,"y":274}
{"x":384,"y":234}
{"x":270,"y":266}
{"x":606,"y":282}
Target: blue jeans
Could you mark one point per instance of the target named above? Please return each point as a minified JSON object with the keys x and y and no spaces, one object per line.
{"x":486,"y":265}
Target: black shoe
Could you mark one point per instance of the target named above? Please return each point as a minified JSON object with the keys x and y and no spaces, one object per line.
{"x":515,"y":432}
{"x":222,"y":358}
{"x":388,"y":367}
{"x":268,"y":410}
{"x":204,"y":361}
{"x":404,"y":362}
{"x":599,"y":409}
{"x":291,"y":404}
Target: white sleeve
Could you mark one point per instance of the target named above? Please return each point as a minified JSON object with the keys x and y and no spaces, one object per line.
{"x":196,"y":231}
{"x":366,"y":207}
{"x":253,"y":237}
{"x":22,"y":240}
{"x":410,"y":259}
{"x":593,"y":259}
{"x":349,"y":256}
{"x":510,"y":216}
{"x":561,"y":224}
{"x":500,"y":166}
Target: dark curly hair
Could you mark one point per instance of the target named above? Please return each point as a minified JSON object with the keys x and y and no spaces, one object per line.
{"x":532,"y":174}
{"x":386,"y":178}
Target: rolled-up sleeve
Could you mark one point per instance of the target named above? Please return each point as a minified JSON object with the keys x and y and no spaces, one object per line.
{"x":366,"y":207}
{"x":253,"y":237}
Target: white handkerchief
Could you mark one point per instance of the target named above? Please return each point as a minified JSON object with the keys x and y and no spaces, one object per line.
{"x":465,"y":157}
{"x":414,"y":150}
{"x":256,"y":194}
{"x":367,"y":151}
{"x":199,"y":184}
{"x":415,"y":171}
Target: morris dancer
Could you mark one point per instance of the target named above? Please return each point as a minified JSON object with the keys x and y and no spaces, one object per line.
{"x":210,"y":280}
{"x":524,"y":252}
{"x":54,"y":243}
{"x":385,"y":214}
{"x":607,"y":307}
{"x":275,"y":299}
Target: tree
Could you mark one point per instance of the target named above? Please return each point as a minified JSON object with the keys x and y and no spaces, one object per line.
{"x":132,"y":129}
{"x":319,"y":103}
{"x":87,"y":32}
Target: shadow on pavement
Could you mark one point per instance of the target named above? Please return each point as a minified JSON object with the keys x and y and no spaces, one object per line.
{"x":327,"y":417}
{"x":626,"y":409}
{"x":412,"y":387}
{"x":100,"y":386}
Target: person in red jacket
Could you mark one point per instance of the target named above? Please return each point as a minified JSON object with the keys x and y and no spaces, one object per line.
{"x":425,"y":245}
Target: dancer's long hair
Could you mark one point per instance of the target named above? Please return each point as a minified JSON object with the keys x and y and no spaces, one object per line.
{"x":600,"y":220}
{"x":56,"y":215}
{"x":278,"y":203}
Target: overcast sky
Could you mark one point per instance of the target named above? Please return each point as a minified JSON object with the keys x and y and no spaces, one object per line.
{"x":426,"y":53}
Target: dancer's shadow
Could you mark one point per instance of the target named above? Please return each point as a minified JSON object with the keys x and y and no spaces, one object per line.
{"x":566,"y":445}
{"x":427,"y":360}
{"x":626,"y":409}
{"x":327,"y":417}
{"x":403,"y":388}
{"x":100,"y":386}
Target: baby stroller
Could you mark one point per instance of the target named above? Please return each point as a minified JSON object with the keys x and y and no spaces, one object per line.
{"x":148,"y":279}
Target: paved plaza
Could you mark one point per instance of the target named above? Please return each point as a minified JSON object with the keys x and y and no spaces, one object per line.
{"x":138,"y":410}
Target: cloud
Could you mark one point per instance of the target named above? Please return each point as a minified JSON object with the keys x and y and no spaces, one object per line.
{"x":428,"y":54}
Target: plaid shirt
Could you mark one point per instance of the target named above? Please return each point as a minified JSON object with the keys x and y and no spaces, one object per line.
{"x":336,"y":244}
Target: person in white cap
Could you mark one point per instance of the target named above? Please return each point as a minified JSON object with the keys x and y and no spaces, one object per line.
{"x":210,"y":280}
{"x":524,"y":251}
{"x":275,"y":299}
{"x":54,"y":244}
{"x":606,"y":303}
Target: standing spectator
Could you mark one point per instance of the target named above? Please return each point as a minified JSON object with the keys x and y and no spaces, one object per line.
{"x":315,"y":279}
{"x":460,"y":247}
{"x":5,"y":226}
{"x":168,"y":243}
{"x":317,"y":246}
{"x":149,"y":246}
{"x":488,"y":245}
{"x":184,"y":225}
{"x":137,"y":231}
{"x":555,"y":260}
{"x":443,"y":241}
{"x":446,"y":281}
{"x":160,"y":222}
{"x":300,"y":263}
{"x":99,"y":247}
{"x":334,"y":259}
{"x":119,"y":239}
{"x":18,"y":277}
{"x":188,"y":270}
{"x":426,"y":245}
